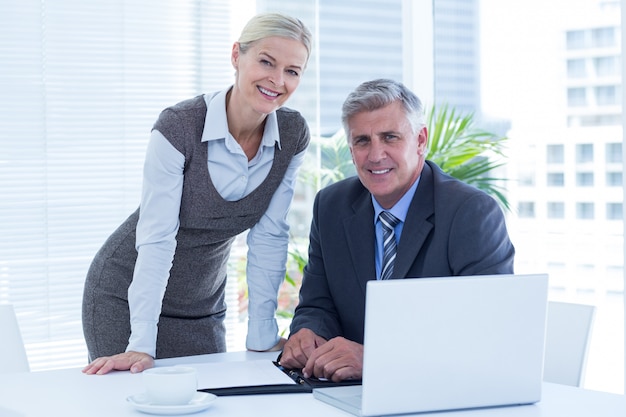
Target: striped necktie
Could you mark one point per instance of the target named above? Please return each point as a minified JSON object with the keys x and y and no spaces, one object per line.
{"x":389,"y":222}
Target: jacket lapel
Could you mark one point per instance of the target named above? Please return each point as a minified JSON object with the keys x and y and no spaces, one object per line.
{"x":360,"y":235}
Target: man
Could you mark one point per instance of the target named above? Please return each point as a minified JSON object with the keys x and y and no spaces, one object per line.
{"x":445,"y":227}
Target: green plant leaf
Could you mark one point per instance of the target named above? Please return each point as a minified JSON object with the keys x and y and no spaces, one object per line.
{"x":466,"y":152}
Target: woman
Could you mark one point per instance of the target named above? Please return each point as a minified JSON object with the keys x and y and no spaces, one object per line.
{"x":216,"y":165}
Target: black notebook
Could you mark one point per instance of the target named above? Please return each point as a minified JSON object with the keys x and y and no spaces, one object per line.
{"x":300,"y":385}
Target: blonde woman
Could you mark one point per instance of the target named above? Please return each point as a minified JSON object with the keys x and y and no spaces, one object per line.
{"x":216,"y":165}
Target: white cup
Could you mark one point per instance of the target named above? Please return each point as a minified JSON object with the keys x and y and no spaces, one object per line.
{"x":171,"y":385}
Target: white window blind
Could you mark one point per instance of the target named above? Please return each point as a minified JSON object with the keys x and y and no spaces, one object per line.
{"x":82,"y":83}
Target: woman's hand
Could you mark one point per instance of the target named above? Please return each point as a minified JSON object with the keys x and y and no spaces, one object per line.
{"x":276,"y":348}
{"x":134,"y":361}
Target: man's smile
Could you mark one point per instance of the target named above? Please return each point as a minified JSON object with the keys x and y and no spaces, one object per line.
{"x":380,"y":171}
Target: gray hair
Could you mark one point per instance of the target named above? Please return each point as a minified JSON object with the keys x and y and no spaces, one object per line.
{"x":266,"y":25}
{"x":376,"y":94}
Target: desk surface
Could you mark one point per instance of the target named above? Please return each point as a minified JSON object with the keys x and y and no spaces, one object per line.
{"x":69,"y":392}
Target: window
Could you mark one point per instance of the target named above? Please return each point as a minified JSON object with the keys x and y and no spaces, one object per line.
{"x":82,"y":84}
{"x":596,"y":120}
{"x":555,"y":154}
{"x":606,"y":95}
{"x":584,"y":153}
{"x":556,"y":210}
{"x":613,"y":153}
{"x":606,"y":66}
{"x":576,"y":97}
{"x":614,"y":211}
{"x":576,"y":68}
{"x":527,"y":179}
{"x":614,"y":179}
{"x":576,"y":39}
{"x":555,"y":179}
{"x":526,"y":209}
{"x":584,"y":179}
{"x":603,"y":37}
{"x":585,"y":211}
{"x":584,"y":239}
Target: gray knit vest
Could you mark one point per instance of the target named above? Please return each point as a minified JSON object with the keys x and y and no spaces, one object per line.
{"x":193,"y":308}
{"x":208,"y":223}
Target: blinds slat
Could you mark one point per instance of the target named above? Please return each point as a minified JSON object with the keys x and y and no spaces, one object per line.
{"x":82,"y":84}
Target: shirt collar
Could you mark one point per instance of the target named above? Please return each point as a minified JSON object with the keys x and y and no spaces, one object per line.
{"x":401,"y":208}
{"x":216,"y":124}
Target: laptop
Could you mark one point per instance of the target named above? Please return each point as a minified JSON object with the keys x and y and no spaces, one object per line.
{"x":447,"y":343}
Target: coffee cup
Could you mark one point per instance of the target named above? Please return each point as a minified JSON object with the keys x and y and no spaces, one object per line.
{"x":170,"y":385}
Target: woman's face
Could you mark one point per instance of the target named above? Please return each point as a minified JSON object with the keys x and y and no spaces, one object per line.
{"x":268,"y":72}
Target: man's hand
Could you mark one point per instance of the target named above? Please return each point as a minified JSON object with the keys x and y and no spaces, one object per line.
{"x":299,"y":347}
{"x":338,"y":359}
{"x":134,"y":361}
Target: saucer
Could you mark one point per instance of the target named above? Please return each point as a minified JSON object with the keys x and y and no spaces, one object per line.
{"x":199,"y":402}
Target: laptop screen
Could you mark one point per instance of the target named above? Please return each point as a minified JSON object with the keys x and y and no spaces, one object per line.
{"x":453,"y":342}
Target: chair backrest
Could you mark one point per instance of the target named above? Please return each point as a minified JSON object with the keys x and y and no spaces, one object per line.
{"x":568,"y":332}
{"x":12,"y":353}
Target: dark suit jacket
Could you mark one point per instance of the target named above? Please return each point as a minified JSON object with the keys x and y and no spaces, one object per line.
{"x":451,"y":228}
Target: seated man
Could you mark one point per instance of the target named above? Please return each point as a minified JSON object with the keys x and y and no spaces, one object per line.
{"x":439,"y":226}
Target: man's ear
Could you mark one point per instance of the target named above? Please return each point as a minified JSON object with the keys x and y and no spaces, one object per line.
{"x":422,"y":141}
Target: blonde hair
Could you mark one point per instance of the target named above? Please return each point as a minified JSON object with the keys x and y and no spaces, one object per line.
{"x":265,"y":25}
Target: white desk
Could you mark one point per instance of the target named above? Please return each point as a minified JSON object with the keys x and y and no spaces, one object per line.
{"x":70,"y":393}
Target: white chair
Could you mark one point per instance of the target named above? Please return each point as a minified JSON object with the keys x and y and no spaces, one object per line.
{"x":568,"y":333}
{"x":12,"y":353}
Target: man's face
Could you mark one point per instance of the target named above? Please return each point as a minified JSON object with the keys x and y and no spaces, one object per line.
{"x":388,"y":156}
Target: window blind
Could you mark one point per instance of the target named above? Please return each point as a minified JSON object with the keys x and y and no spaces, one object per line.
{"x":82,"y":83}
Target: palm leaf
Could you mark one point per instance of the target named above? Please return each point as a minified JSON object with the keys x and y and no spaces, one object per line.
{"x":335,"y":161}
{"x":466,"y":152}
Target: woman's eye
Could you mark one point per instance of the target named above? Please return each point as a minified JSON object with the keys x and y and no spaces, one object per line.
{"x":294,"y":73}
{"x":266,"y":62}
